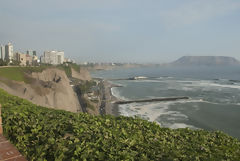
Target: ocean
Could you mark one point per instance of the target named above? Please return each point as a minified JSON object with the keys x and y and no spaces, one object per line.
{"x":214,"y":93}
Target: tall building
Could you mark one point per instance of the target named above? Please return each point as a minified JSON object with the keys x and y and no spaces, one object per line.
{"x":2,"y":52}
{"x":31,"y":52}
{"x":9,"y":52}
{"x":53,"y":57}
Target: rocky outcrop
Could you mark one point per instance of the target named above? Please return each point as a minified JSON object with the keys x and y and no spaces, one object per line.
{"x":50,"y":88}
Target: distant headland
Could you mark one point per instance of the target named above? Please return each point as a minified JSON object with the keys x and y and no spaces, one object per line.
{"x":206,"y":61}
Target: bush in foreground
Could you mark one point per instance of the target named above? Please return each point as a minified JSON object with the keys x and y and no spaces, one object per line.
{"x":46,"y":134}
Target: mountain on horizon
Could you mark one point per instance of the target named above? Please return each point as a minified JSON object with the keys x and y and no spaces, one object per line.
{"x":206,"y":61}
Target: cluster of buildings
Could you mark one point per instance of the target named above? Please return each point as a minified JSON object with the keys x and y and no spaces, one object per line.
{"x":27,"y":59}
{"x":23,"y":59}
{"x":30,"y":57}
{"x":100,"y":64}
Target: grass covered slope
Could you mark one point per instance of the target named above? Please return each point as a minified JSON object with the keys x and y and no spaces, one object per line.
{"x":41,"y":133}
{"x":18,"y":73}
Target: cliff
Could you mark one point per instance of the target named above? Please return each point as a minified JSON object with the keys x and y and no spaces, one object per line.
{"x":50,"y":88}
{"x":83,"y":74}
{"x":206,"y":61}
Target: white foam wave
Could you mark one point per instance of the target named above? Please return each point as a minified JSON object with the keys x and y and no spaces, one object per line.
{"x":137,"y":110}
{"x":140,"y":77}
{"x":205,"y":83}
{"x":164,"y":78}
{"x":118,"y":84}
{"x":153,"y":110}
{"x":116,"y":93}
{"x":176,"y":114}
{"x":148,"y":81}
{"x":222,"y":85}
{"x":180,"y":125}
{"x":187,"y":81}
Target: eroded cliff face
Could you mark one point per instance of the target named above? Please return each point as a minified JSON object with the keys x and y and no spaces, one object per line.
{"x":83,"y":74}
{"x":50,"y":88}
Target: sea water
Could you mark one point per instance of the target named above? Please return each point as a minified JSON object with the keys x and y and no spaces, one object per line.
{"x":214,"y":93}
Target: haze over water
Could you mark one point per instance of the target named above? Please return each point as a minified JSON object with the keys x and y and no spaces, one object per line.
{"x":214,"y":93}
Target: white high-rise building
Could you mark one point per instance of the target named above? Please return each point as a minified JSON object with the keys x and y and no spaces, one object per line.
{"x":9,"y":52}
{"x":2,"y":52}
{"x":53,"y":57}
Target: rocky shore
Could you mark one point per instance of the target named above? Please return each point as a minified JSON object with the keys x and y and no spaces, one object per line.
{"x":110,"y":103}
{"x":108,"y":107}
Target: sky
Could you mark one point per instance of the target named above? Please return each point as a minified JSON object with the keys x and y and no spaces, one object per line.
{"x":135,"y":31}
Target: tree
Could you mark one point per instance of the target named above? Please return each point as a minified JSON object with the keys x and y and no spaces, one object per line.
{"x":3,"y":62}
{"x":15,"y":62}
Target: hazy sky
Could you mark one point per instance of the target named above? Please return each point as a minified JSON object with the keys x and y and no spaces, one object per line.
{"x":123,"y":30}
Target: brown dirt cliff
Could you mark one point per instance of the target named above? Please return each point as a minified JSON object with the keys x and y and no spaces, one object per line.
{"x":83,"y":74}
{"x":50,"y":88}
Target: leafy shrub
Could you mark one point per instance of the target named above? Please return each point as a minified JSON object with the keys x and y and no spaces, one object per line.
{"x":47,"y":134}
{"x":86,"y":86}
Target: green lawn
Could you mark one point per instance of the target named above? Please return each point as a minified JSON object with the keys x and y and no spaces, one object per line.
{"x":18,"y":73}
{"x":12,"y":73}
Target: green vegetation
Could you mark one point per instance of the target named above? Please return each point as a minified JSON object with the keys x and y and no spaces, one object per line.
{"x":34,"y":69}
{"x":18,"y":73}
{"x":86,"y":103}
{"x":47,"y":134}
{"x":75,"y":66}
{"x":86,"y":86}
{"x":12,"y":73}
{"x":95,"y":101}
{"x":67,"y":69}
{"x":3,"y":62}
{"x":15,"y":62}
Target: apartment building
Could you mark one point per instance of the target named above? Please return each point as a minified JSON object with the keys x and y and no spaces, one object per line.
{"x":53,"y":57}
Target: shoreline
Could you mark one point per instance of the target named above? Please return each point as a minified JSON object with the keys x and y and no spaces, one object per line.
{"x":109,"y":108}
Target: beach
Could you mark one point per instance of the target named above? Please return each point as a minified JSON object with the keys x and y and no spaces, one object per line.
{"x":108,"y":107}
